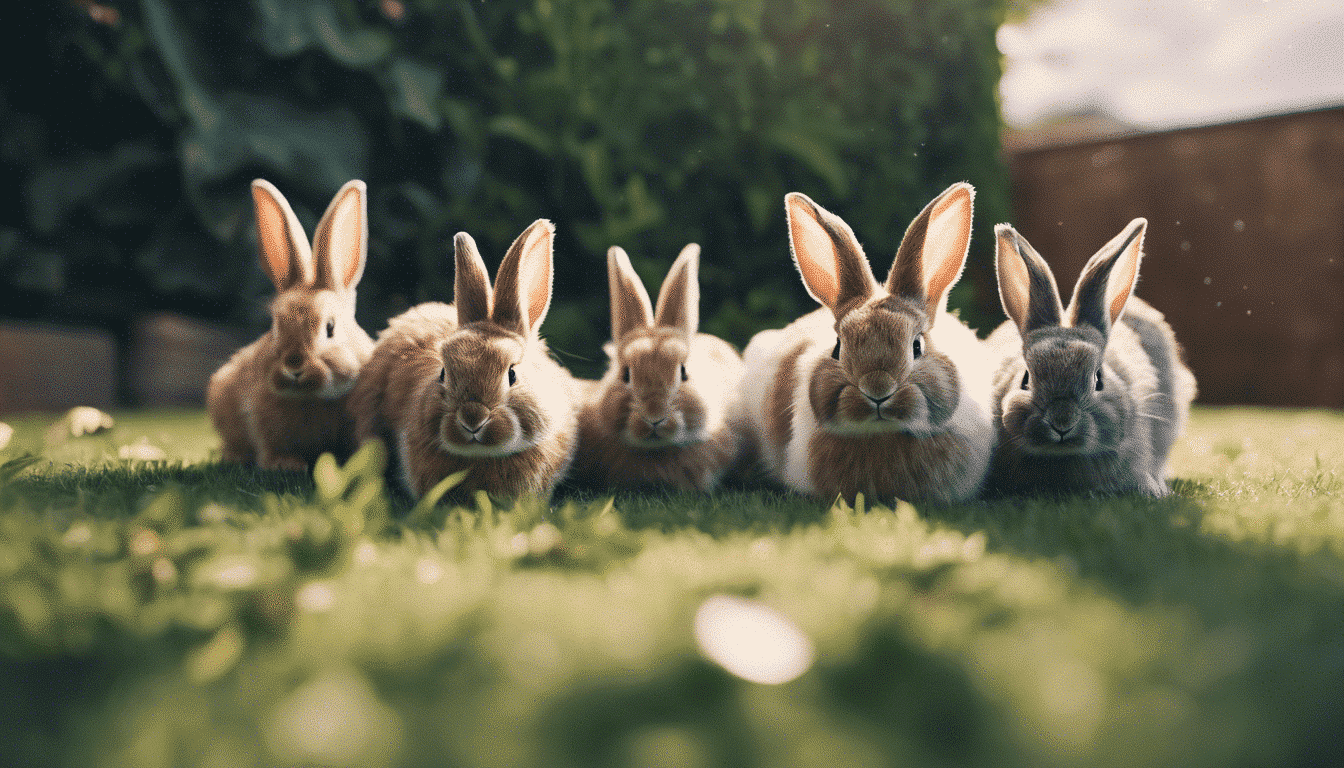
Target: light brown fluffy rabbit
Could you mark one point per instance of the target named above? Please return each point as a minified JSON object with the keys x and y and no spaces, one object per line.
{"x":667,"y":411}
{"x":279,"y":402}
{"x":881,"y":391}
{"x":471,"y":385}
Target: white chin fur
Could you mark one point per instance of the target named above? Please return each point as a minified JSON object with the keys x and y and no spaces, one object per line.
{"x":679,"y":441}
{"x":336,"y":390}
{"x":476,"y":450}
{"x":875,"y":427}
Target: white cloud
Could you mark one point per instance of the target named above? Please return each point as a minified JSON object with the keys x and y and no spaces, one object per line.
{"x":1162,"y":63}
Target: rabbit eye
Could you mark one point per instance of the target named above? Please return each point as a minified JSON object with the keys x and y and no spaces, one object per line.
{"x":625,"y":373}
{"x":331,"y":328}
{"x":513,"y":377}
{"x":1026,"y":379}
{"x":919,"y":347}
{"x":1099,"y":384}
{"x":684,"y":376}
{"x":443,"y":375}
{"x":835,"y":353}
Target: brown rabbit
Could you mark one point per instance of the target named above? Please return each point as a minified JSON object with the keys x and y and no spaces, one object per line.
{"x":471,"y":385}
{"x":279,"y":402}
{"x":881,"y":391}
{"x":667,"y":412}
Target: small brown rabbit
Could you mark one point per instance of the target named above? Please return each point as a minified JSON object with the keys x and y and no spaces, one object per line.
{"x":279,"y":402}
{"x":471,"y":385}
{"x":667,"y":412}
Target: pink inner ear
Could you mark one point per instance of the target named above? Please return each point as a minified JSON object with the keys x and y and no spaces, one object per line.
{"x":1014,"y":281}
{"x":1122,"y":284}
{"x":946,"y":243}
{"x":536,"y":275}
{"x":815,"y":252}
{"x":340,"y":240}
{"x":287,"y":261}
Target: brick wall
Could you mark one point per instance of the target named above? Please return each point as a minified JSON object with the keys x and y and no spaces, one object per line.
{"x":1245,"y":244}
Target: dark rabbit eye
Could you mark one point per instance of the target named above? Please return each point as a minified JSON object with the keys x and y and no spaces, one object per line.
{"x":1026,"y":379}
{"x":1099,"y":384}
{"x":919,"y":347}
{"x":331,"y":328}
{"x":513,"y":377}
{"x":625,"y":373}
{"x":683,"y":373}
{"x":443,"y":375}
{"x":835,"y":353}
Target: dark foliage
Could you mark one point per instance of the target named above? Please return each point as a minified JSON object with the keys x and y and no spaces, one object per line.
{"x":643,"y":123}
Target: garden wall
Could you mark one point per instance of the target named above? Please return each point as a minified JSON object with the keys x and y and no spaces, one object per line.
{"x":1245,"y":245}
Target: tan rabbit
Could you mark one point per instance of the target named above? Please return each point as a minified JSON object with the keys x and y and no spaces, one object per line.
{"x":881,"y":391}
{"x":471,"y":385}
{"x":667,"y":411}
{"x":279,"y":402}
{"x":1088,"y":399}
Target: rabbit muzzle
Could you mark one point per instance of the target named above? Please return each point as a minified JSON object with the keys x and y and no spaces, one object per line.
{"x":299,"y":375}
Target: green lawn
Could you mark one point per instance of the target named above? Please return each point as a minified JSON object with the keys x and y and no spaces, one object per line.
{"x":176,"y":613}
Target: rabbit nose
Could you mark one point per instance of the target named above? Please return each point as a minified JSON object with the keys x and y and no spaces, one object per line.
{"x":1062,"y":420}
{"x":473,"y":417}
{"x":878,"y":387}
{"x":293,"y":362}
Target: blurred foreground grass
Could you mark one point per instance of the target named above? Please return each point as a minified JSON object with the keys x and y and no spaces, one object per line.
{"x":173,"y":612}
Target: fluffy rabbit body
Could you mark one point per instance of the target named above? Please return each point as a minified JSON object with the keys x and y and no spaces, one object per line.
{"x":1087,"y":399}
{"x":666,"y":413}
{"x":881,"y":391}
{"x":471,"y":385}
{"x":279,"y":402}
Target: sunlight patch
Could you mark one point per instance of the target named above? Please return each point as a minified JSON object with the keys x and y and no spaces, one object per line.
{"x":751,"y":640}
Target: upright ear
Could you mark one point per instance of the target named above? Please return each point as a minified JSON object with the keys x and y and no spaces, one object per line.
{"x":285,"y":254}
{"x":1108,"y":280}
{"x":827,"y":254}
{"x":341,"y":241}
{"x":1026,"y":285}
{"x":523,"y":285}
{"x":471,"y":283}
{"x":933,"y":251}
{"x":679,"y":298}
{"x":630,"y":307}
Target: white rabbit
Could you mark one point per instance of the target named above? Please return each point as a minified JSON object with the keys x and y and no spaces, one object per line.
{"x":881,"y":391}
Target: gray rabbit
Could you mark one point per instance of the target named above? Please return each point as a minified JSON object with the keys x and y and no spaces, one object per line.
{"x":1087,"y":399}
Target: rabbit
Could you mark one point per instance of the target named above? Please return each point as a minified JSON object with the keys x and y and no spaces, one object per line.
{"x":881,"y":391}
{"x":471,"y":385}
{"x":279,"y":402}
{"x":666,"y":413}
{"x":1087,"y":399}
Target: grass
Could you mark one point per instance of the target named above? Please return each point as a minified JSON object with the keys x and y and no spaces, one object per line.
{"x":176,"y":612}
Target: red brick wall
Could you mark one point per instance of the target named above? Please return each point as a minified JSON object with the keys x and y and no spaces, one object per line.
{"x":1245,"y":244}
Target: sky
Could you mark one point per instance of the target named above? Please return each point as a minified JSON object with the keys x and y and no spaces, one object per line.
{"x":1170,"y":63}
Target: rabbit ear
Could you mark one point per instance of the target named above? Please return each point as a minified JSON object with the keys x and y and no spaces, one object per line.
{"x":341,"y":241}
{"x":827,"y":254}
{"x":933,"y":251}
{"x":679,"y":298}
{"x":285,"y":254}
{"x":1026,"y":285}
{"x":1108,"y":280}
{"x":471,"y":283}
{"x":523,"y":284}
{"x":630,"y":307}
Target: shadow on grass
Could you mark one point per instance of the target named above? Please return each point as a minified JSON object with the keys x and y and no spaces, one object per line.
{"x":1279,"y":608}
{"x":123,"y":489}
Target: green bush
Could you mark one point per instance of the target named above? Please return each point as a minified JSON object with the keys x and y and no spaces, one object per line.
{"x":643,"y":123}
